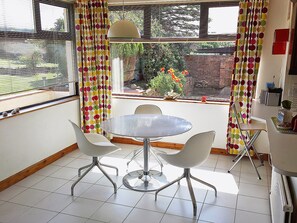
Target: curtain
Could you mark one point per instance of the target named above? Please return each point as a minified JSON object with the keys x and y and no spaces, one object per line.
{"x":93,"y":62}
{"x":250,"y":33}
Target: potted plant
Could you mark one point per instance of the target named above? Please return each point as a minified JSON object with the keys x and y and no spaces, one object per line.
{"x":287,"y":114}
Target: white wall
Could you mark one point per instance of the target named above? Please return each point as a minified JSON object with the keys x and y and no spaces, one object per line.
{"x":204,"y":117}
{"x":279,"y":17}
{"x":28,"y":138}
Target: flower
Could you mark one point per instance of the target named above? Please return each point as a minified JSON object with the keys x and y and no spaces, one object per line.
{"x":162,"y":69}
{"x":185,"y":72}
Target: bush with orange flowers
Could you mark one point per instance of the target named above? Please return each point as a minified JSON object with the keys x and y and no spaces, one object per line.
{"x":167,"y":81}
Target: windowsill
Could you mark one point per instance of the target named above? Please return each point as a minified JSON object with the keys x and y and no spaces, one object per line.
{"x":175,"y":101}
{"x":42,"y":106}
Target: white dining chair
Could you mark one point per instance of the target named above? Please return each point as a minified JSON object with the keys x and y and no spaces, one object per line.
{"x":194,"y":153}
{"x":147,"y":109}
{"x":96,"y":146}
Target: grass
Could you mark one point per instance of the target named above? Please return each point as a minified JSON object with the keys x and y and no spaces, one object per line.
{"x":16,"y":64}
{"x":9,"y":83}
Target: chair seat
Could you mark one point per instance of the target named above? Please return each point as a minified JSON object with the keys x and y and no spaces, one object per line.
{"x":253,"y":126}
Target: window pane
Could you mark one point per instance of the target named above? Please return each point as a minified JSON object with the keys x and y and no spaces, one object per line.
{"x":43,"y":66}
{"x":223,"y":20}
{"x":53,"y":18}
{"x":190,"y":69}
{"x":135,"y":16}
{"x":19,"y":19}
{"x":175,"y":21}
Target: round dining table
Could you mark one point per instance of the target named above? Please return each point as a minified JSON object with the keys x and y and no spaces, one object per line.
{"x":145,"y":126}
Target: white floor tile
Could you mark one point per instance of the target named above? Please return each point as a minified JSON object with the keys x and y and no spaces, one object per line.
{"x":35,"y":215}
{"x":11,"y":192}
{"x":65,"y":173}
{"x":143,"y":216}
{"x":10,"y":211}
{"x":148,"y":202}
{"x":30,"y":197}
{"x":78,"y":189}
{"x":64,"y":218}
{"x":251,"y":178}
{"x":183,"y":193}
{"x":41,"y":196}
{"x":183,"y":208}
{"x":78,"y":163}
{"x":253,"y":204}
{"x":248,"y":217}
{"x":222,"y":199}
{"x":112,"y":213}
{"x":48,"y":170}
{"x":218,"y":214}
{"x":82,"y":207}
{"x":30,"y":181}
{"x":50,"y":184}
{"x":98,"y":192}
{"x":63,"y":161}
{"x":55,"y":202}
{"x":254,"y":190}
{"x":176,"y":219}
{"x":125,"y":197}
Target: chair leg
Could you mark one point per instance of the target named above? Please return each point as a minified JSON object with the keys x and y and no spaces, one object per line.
{"x":82,"y":176}
{"x":113,"y":167}
{"x":238,"y":155}
{"x":136,"y":154}
{"x":205,"y":183}
{"x":192,"y":195}
{"x":108,"y":177}
{"x":237,"y":160}
{"x":259,"y":177}
{"x":167,"y":185}
{"x":84,"y":167}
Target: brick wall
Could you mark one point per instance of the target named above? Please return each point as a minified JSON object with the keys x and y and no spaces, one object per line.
{"x":209,"y":71}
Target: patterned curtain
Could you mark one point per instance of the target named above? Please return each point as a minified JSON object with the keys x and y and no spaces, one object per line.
{"x":92,"y":48}
{"x":250,"y":32}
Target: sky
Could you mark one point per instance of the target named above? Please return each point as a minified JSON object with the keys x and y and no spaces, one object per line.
{"x":21,"y":17}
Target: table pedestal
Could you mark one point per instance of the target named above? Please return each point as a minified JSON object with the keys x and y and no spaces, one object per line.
{"x":145,"y":180}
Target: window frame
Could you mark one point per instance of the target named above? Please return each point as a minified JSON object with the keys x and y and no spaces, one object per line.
{"x":48,"y":35}
{"x":203,"y":22}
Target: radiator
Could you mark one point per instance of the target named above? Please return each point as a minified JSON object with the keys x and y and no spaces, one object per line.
{"x":280,"y":199}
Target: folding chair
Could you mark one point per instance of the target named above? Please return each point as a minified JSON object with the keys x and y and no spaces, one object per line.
{"x":256,"y":126}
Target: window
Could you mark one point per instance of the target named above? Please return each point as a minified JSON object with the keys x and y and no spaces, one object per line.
{"x":36,"y":52}
{"x":184,"y":48}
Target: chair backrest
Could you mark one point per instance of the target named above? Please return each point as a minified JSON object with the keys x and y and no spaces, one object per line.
{"x":89,"y":147}
{"x":196,"y":150}
{"x":237,"y":113}
{"x":148,"y":109}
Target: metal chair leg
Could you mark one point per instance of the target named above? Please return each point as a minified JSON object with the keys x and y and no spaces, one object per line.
{"x":167,"y":185}
{"x":108,"y":177}
{"x":192,"y":194}
{"x":82,"y":176}
{"x":259,"y":177}
{"x":242,"y":154}
{"x":84,"y":167}
{"x":205,"y":183}
{"x":136,"y":154}
{"x":113,"y":167}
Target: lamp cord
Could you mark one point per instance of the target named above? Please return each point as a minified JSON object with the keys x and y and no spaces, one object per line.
{"x":123,"y":10}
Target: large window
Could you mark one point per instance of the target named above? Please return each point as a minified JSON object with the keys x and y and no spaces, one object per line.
{"x":186,"y":48}
{"x":36,"y":52}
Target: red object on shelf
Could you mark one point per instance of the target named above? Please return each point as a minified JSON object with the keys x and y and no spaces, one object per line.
{"x":279,"y":48}
{"x":281,"y":35}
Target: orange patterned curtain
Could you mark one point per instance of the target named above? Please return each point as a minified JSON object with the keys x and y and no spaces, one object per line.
{"x":250,"y":33}
{"x":93,"y":61}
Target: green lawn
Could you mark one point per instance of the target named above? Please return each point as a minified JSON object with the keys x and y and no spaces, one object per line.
{"x":15,"y":64}
{"x":9,"y":83}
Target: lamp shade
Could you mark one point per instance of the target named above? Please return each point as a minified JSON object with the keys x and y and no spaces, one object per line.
{"x":123,"y":29}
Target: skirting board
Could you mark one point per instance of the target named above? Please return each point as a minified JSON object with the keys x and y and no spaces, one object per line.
{"x":35,"y":167}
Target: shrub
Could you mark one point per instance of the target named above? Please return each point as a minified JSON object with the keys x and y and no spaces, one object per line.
{"x":168,"y":81}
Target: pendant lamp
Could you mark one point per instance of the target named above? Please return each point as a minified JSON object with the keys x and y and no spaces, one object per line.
{"x":123,"y":28}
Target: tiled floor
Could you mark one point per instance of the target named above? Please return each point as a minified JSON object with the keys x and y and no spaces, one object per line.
{"x":45,"y":196}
